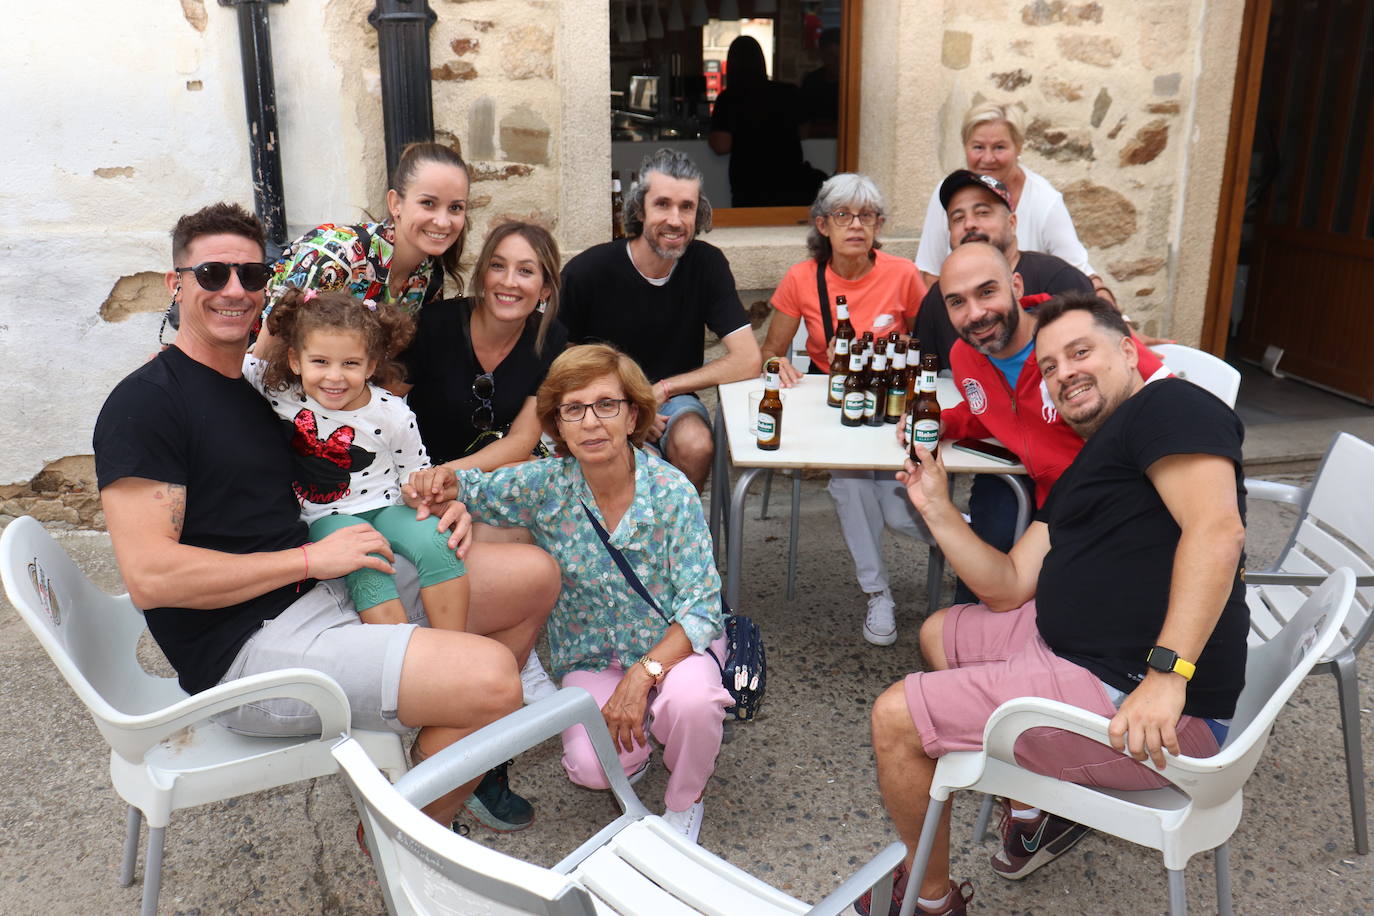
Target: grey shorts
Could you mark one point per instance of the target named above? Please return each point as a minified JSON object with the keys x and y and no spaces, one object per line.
{"x":320,"y":630}
{"x":676,"y":407}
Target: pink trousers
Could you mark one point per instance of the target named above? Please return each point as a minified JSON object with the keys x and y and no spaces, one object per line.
{"x":686,"y":716}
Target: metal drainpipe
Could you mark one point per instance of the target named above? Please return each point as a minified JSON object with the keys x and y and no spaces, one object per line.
{"x":403,"y":51}
{"x":260,"y":103}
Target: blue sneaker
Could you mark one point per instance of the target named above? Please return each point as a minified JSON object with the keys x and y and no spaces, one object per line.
{"x":494,"y":805}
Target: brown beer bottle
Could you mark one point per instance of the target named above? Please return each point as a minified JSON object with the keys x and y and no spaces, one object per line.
{"x":617,"y":208}
{"x":875,"y":395}
{"x":852,"y":413}
{"x":768,"y":423}
{"x":913,"y":366}
{"x":895,"y":396}
{"x":839,"y":363}
{"x":925,"y":413}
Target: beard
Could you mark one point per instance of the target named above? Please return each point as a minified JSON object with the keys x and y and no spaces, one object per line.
{"x":1008,"y":324}
{"x":668,"y":254}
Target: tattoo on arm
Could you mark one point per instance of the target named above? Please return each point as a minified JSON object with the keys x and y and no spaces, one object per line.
{"x":175,"y":495}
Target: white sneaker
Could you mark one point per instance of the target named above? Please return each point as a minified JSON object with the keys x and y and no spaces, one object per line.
{"x":688,"y":822}
{"x":535,"y":681}
{"x":880,"y":626}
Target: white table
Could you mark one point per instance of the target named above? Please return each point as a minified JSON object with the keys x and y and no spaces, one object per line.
{"x":813,"y":437}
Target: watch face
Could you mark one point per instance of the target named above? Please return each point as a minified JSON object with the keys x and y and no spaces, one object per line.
{"x":653,"y":667}
{"x":1161,"y":659}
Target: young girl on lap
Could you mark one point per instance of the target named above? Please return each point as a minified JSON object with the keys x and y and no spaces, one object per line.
{"x":353,"y":443}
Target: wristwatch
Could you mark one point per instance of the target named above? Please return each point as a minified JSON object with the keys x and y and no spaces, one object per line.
{"x":1167,"y":660}
{"x":654,"y":667}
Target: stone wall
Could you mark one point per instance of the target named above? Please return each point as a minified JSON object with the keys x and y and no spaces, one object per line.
{"x":1106,"y":89}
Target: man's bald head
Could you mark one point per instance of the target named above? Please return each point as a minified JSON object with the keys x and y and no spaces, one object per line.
{"x":983,"y":295}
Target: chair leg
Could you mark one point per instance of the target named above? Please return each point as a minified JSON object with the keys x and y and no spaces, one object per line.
{"x":980,"y":826}
{"x":767,"y":492}
{"x":922,"y":859}
{"x":1222,"y":858}
{"x":795,"y":533}
{"x":152,"y":870}
{"x":1178,"y":893}
{"x":126,"y":867}
{"x":1348,"y":693}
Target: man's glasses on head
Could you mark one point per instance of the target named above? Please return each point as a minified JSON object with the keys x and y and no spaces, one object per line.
{"x":604,"y":408}
{"x":213,"y":276}
{"x":867,"y":218}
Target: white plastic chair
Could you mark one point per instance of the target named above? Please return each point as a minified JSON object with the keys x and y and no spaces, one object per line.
{"x":1336,"y":528}
{"x":636,"y":865}
{"x":166,"y":754}
{"x":1202,"y":369}
{"x":1202,"y":808}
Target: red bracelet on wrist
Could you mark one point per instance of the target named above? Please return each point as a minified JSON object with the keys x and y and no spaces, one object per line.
{"x":307,"y":565}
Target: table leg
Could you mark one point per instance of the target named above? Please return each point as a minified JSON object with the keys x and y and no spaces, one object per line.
{"x":935,"y":577}
{"x":1022,"y":502}
{"x":720,"y":476}
{"x":734,"y":541}
{"x":796,"y":530}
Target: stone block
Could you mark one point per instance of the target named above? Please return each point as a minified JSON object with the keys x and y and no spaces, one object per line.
{"x":1168,"y":84}
{"x":525,"y":136}
{"x":454,"y":70}
{"x":465,"y":46}
{"x":1111,"y":134}
{"x":482,"y":128}
{"x":1058,"y":144}
{"x":1163,"y":32}
{"x":1100,"y":106}
{"x":119,"y":171}
{"x":1104,"y":218}
{"x":1023,"y":47}
{"x":527,"y":53}
{"x":136,"y":293}
{"x":1147,"y":143}
{"x":490,"y":171}
{"x":194,"y":11}
{"x":1059,"y":90}
{"x":956,"y":49}
{"x":1097,"y":50}
{"x":1049,"y":12}
{"x":1139,"y":267}
{"x":1011,"y":80}
{"x":1163,"y":108}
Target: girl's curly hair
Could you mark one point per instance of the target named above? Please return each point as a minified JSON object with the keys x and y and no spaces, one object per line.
{"x":386,"y":331}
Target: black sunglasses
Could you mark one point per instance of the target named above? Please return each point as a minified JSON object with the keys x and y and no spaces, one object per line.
{"x":483,"y":387}
{"x":214,"y":275}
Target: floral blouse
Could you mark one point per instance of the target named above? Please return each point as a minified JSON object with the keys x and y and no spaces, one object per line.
{"x":599,"y":619}
{"x":331,"y":257}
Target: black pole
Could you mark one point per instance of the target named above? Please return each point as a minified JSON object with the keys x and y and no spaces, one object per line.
{"x":260,"y":103}
{"x":403,"y":51}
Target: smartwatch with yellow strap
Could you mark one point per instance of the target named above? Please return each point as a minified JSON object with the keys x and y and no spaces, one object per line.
{"x":1167,"y":660}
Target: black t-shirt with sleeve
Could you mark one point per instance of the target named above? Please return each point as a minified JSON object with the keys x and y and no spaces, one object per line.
{"x":1104,"y":585}
{"x":605,"y":298}
{"x":177,"y":421}
{"x":1040,"y":273}
{"x":442,"y":367}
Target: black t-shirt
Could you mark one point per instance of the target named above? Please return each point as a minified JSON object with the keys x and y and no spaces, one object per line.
{"x":181,"y":422}
{"x":1040,"y":273}
{"x":1104,"y":585}
{"x":605,"y":298}
{"x":764,"y":124}
{"x":442,"y":367}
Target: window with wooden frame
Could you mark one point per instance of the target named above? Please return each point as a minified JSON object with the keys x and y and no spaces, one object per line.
{"x":764,"y":141}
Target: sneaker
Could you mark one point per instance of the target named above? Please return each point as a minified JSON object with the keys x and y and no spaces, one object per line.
{"x":956,"y":905}
{"x":688,"y":822}
{"x":535,"y":681}
{"x":1027,"y":845}
{"x":494,"y":805}
{"x":880,"y":626}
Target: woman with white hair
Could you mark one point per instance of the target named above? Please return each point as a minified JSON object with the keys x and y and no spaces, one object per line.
{"x":993,"y":135}
{"x":884,"y":293}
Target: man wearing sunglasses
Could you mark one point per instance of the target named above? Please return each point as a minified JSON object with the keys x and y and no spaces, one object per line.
{"x":651,"y":298}
{"x":195,"y":481}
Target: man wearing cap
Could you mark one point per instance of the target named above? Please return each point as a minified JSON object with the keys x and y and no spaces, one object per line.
{"x":978,"y":208}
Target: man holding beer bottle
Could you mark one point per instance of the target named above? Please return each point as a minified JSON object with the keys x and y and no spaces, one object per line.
{"x":847,"y":287}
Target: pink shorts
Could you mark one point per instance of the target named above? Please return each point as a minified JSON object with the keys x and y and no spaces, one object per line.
{"x":995,"y":657}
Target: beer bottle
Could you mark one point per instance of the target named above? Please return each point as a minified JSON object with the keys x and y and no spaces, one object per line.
{"x":852,"y":413}
{"x":768,"y":423}
{"x":925,"y":414}
{"x":867,"y":340}
{"x":875,"y":396}
{"x":913,"y":367}
{"x":839,"y":363}
{"x":617,"y":208}
{"x":895,"y":399}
